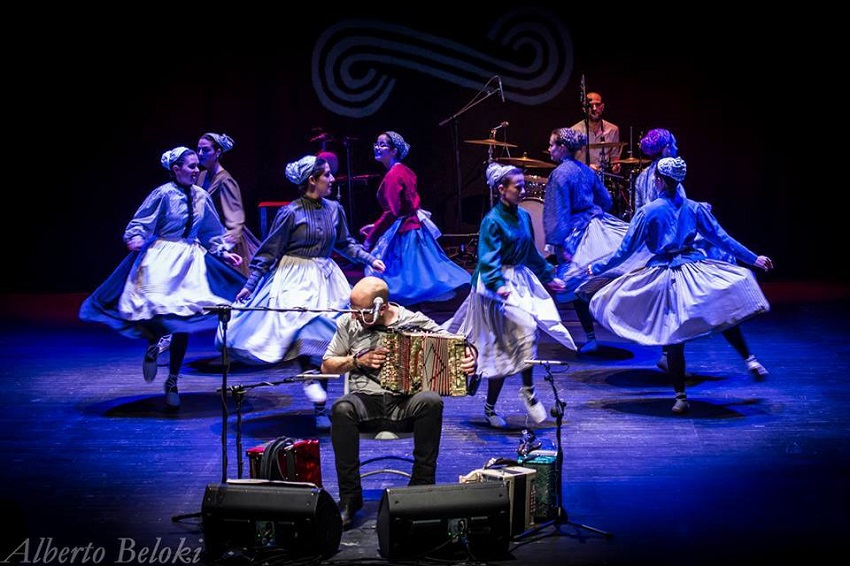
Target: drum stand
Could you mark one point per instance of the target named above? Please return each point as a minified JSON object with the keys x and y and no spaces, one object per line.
{"x":561,"y":514}
{"x":466,"y":254}
{"x":630,"y":206}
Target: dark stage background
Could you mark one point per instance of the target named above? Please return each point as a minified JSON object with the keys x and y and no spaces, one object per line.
{"x":99,"y":104}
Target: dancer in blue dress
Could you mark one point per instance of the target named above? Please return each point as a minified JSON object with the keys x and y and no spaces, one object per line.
{"x":405,"y":237}
{"x":681,"y":294}
{"x":176,"y":268}
{"x":577,"y":223}
{"x":293,"y":272}
{"x":657,"y":144}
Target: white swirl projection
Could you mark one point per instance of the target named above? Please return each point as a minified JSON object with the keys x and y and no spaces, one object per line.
{"x":354,"y":61}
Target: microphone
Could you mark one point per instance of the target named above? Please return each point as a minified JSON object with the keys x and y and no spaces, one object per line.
{"x":502,"y":125}
{"x":547,"y":362}
{"x":502,"y":94}
{"x":376,"y":307}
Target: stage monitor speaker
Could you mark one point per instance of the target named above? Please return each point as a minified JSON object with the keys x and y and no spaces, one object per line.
{"x":444,"y":520}
{"x":261,"y":516}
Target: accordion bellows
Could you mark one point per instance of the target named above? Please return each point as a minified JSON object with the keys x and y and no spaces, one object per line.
{"x":424,"y":361}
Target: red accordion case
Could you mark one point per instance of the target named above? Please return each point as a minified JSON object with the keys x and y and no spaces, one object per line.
{"x":287,"y":459}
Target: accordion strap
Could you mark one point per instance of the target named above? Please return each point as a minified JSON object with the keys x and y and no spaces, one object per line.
{"x":270,"y":461}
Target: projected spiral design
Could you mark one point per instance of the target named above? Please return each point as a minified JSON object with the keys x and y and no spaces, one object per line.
{"x":357,"y":64}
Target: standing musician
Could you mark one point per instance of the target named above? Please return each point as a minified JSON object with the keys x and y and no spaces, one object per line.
{"x":355,"y":350}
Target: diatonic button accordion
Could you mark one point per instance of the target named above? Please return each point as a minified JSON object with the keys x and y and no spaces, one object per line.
{"x":424,"y":361}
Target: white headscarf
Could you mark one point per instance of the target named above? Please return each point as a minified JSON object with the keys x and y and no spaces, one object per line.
{"x":673,"y":167}
{"x":169,"y":157}
{"x":224,"y":141}
{"x":572,"y":139}
{"x":402,"y":146}
{"x":299,"y":171}
{"x":495,"y":173}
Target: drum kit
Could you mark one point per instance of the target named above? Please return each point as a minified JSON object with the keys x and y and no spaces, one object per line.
{"x":618,"y":176}
{"x":535,"y":185}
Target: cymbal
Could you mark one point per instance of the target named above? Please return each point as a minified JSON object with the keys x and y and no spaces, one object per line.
{"x":491,"y":141}
{"x":604,"y":145}
{"x":630,"y":161}
{"x":525,"y":161}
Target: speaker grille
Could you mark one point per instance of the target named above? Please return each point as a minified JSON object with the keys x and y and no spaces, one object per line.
{"x":251,"y":516}
{"x":444,"y":520}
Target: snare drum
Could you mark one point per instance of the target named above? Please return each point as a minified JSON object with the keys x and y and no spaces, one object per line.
{"x":534,"y":206}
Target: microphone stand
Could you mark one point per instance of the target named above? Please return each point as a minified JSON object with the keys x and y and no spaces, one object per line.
{"x":223,"y":319}
{"x":634,"y":175}
{"x":561,"y":514}
{"x":224,"y":314}
{"x":489,"y":161}
{"x":479,"y":97}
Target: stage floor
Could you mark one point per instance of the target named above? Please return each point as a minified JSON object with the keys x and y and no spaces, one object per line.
{"x":756,"y":470}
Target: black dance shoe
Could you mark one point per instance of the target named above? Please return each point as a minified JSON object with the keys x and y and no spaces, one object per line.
{"x":347,"y":509}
